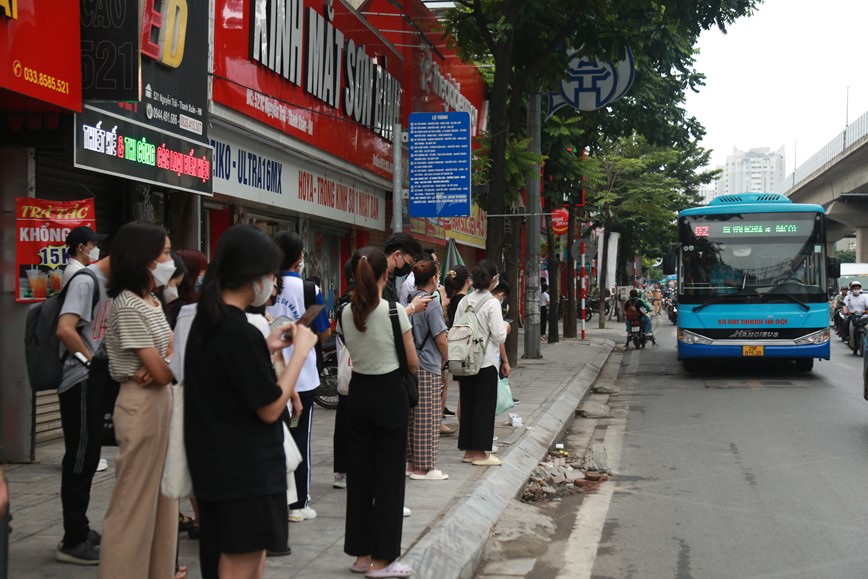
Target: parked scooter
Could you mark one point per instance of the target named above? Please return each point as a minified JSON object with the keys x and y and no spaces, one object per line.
{"x":326,"y":394}
{"x":593,"y":307}
{"x":857,"y":332}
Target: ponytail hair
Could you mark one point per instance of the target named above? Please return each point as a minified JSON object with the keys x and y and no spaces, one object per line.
{"x":424,"y":270}
{"x":369,"y":265}
{"x":455,"y":280}
{"x":244,"y":253}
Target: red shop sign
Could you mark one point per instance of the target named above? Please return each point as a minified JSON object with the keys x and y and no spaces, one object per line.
{"x":41,"y":227}
{"x":312,"y":70}
{"x":560,"y":221}
{"x":40,"y":51}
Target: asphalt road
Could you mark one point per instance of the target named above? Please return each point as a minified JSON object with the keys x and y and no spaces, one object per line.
{"x":747,"y":471}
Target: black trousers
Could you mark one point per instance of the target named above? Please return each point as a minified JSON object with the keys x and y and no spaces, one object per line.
{"x":340,"y":436}
{"x":80,"y":418}
{"x":301,"y":436}
{"x":543,"y":319}
{"x":377,"y":424}
{"x":478,"y":399}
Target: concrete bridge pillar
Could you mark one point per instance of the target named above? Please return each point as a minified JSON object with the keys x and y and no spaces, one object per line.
{"x":862,"y":245}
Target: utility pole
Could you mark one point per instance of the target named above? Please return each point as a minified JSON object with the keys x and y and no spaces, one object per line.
{"x":531,"y":266}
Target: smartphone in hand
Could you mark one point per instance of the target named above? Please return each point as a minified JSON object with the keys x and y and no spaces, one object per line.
{"x":305,"y":320}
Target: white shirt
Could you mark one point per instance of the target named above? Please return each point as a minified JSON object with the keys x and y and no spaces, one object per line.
{"x":490,"y":322}
{"x":408,"y":287}
{"x":72,"y":266}
{"x":544,"y":299}
{"x":856,"y":304}
{"x":290,"y":303}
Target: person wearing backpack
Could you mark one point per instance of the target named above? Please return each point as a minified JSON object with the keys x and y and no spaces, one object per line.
{"x":291,"y":302}
{"x":636,"y":308}
{"x":478,"y":392}
{"x":82,"y":251}
{"x":80,"y":329}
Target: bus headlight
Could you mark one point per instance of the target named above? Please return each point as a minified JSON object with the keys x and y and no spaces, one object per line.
{"x":690,"y":338}
{"x":818,"y":337}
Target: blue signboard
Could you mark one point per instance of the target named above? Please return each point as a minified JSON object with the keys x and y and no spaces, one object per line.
{"x":439,"y":164}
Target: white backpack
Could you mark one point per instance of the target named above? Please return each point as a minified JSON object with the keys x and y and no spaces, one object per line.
{"x":465,"y":339}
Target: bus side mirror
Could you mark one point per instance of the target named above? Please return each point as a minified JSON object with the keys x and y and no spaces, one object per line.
{"x":669,"y":263}
{"x":833,"y":267}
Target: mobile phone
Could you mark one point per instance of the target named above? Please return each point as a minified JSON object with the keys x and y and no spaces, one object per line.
{"x":508,"y":320}
{"x":280,"y":321}
{"x":82,"y":359}
{"x":293,"y":423}
{"x":305,"y":320}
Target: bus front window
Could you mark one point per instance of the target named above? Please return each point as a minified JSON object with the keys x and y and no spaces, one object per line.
{"x":741,"y":257}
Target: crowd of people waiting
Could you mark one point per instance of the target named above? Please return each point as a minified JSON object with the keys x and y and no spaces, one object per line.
{"x":229,"y":333}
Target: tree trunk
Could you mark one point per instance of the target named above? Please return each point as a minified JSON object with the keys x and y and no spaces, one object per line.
{"x":553,"y":267}
{"x":513,"y":267}
{"x":604,"y":256}
{"x":570,"y":330}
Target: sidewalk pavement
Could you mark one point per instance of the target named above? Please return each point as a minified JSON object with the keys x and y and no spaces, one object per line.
{"x":451,"y":519}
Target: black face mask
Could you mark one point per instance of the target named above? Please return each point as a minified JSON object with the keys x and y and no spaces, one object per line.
{"x":403,"y":270}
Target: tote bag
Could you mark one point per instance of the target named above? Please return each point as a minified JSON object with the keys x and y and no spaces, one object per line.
{"x":176,"y":482}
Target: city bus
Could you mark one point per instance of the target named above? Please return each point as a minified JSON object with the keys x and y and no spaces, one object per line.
{"x":752,"y":280}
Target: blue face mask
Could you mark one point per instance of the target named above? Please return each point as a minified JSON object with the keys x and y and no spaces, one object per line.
{"x":199,"y":283}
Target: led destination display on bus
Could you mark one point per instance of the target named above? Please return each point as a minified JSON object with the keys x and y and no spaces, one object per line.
{"x":718,"y":230}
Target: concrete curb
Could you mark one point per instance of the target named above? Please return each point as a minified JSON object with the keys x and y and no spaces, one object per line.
{"x":454,"y":545}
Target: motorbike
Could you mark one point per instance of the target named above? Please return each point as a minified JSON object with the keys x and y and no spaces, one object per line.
{"x":857,"y":332}
{"x":637,"y":336}
{"x":672,"y":309}
{"x":326,"y":394}
{"x":593,"y":307}
{"x":839,"y":319}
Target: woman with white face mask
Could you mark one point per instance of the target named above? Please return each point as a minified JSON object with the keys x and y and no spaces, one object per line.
{"x":234,"y":404}
{"x":140,"y":529}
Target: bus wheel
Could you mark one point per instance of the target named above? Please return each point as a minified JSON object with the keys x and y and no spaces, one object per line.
{"x":804,"y":364}
{"x":691,"y":365}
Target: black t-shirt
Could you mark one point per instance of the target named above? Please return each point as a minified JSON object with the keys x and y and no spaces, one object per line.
{"x":231,"y":452}
{"x":452,"y":309}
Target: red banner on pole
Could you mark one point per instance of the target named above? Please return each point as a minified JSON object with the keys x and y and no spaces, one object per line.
{"x":40,"y":249}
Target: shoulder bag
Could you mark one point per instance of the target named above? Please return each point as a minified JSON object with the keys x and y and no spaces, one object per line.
{"x":411,"y":382}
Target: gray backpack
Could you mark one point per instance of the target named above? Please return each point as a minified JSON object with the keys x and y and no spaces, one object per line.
{"x":466,"y":341}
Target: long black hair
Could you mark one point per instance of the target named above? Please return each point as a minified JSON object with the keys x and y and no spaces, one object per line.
{"x":134,"y":247}
{"x":369,"y":265}
{"x":244,"y":253}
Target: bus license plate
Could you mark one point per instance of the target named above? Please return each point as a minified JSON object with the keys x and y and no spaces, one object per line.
{"x":751,"y":351}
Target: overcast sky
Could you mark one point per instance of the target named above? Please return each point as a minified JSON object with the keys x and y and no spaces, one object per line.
{"x":780,"y":78}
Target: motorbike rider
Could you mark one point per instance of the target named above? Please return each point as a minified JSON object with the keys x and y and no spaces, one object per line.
{"x":855,"y":303}
{"x":837,"y":306}
{"x":644,"y":311}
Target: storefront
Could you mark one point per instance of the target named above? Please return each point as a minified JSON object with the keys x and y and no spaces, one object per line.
{"x":147,"y":160}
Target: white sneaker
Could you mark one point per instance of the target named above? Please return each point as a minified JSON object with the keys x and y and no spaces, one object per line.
{"x":299,"y":515}
{"x":102,"y":465}
{"x":407,"y":512}
{"x":340,"y":481}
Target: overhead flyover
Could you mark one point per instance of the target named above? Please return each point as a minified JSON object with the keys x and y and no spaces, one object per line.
{"x":836,"y":177}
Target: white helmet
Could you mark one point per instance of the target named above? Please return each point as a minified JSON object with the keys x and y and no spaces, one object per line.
{"x":855,"y":283}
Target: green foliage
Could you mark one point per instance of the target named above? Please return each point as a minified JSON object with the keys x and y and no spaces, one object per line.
{"x":846,"y":255}
{"x":519,"y":161}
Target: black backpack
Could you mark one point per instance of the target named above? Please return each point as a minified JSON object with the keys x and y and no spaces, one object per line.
{"x":41,"y":344}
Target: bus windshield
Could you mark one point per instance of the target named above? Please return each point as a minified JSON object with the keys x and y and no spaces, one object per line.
{"x":752,"y":257}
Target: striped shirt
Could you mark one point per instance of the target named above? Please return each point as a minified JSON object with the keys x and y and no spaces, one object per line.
{"x":133,"y":325}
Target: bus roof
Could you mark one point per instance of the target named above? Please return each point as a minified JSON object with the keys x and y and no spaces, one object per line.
{"x":752,"y":203}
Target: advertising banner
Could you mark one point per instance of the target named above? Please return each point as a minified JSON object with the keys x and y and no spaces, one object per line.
{"x":247,"y":169}
{"x":110,"y":50}
{"x":313,"y":70}
{"x":41,"y":227}
{"x":111,"y":144}
{"x":470,"y":231}
{"x":40,"y":50}
{"x":174,"y":65}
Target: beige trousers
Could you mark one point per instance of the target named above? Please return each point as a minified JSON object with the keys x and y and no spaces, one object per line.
{"x":140,"y":531}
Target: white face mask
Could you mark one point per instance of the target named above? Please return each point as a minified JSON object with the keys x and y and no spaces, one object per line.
{"x":170,"y":294}
{"x":262,"y":289}
{"x":855,"y":292}
{"x":300,"y":268}
{"x":93,"y":254}
{"x":163,"y":272}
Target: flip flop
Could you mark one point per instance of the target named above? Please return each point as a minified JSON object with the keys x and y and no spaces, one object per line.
{"x":360,"y":568}
{"x":491,"y":460}
{"x":433,"y":474}
{"x":394,"y":569}
{"x":467,"y":459}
